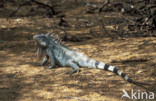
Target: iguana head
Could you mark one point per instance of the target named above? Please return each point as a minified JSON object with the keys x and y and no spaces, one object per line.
{"x":41,"y":40}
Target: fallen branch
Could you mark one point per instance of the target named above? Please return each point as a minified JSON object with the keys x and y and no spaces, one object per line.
{"x":21,"y":5}
{"x":51,"y":12}
{"x":105,"y":3}
{"x":49,"y":8}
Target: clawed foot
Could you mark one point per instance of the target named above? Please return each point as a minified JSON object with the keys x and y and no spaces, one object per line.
{"x":38,"y":64}
{"x":72,"y":72}
{"x":49,"y":67}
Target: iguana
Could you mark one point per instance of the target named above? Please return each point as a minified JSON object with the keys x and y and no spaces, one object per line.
{"x":64,"y":56}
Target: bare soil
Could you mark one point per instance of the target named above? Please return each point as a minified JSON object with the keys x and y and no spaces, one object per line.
{"x":22,"y":80}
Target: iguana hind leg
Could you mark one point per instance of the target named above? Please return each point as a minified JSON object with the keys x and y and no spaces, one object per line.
{"x":75,"y":68}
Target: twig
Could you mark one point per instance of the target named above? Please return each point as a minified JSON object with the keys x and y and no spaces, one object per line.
{"x":105,"y":3}
{"x":23,"y":4}
{"x":46,"y":6}
{"x":51,"y":12}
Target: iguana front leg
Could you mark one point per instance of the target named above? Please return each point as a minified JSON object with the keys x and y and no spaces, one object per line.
{"x":52,"y":60}
{"x":44,"y":61}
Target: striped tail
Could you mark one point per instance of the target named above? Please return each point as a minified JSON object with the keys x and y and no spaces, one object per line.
{"x":101,"y":65}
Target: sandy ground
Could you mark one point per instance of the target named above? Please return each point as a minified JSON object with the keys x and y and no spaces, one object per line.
{"x":22,"y":80}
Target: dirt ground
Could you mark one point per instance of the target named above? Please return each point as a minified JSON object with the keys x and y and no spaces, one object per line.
{"x":22,"y":80}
